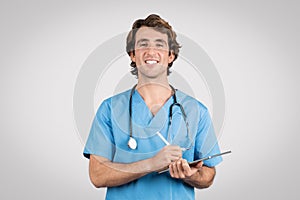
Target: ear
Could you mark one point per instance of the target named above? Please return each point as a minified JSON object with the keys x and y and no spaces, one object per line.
{"x":132,"y":56}
{"x":171,"y":57}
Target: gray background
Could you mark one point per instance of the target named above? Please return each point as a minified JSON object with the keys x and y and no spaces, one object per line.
{"x":253,"y":44}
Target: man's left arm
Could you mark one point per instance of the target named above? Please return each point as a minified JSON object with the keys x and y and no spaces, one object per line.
{"x":199,"y":176}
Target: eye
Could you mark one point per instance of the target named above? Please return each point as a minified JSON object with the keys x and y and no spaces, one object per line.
{"x":159,"y":45}
{"x":143,"y":44}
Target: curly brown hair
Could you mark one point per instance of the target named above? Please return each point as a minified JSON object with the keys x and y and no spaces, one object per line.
{"x":157,"y":23}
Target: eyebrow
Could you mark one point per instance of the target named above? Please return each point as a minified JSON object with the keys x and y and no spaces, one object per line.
{"x":161,"y":40}
{"x":142,"y":40}
{"x":147,"y":40}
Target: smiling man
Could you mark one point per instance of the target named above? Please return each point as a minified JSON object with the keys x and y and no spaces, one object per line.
{"x":151,"y":54}
{"x":151,"y":127}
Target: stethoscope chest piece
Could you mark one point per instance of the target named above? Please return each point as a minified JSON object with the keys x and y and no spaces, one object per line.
{"x":132,"y":143}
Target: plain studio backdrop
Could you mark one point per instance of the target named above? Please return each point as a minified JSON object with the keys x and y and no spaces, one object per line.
{"x":254,"y":46}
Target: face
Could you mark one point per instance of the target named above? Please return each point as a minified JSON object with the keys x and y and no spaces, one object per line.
{"x":151,"y":53}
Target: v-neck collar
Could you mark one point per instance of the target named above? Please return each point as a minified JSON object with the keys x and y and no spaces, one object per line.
{"x":143,"y":119}
{"x":140,"y":100}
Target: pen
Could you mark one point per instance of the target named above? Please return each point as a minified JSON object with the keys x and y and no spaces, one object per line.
{"x":162,"y":138}
{"x":166,"y":142}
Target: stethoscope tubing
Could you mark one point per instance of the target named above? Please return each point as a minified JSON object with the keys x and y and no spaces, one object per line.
{"x":132,"y":142}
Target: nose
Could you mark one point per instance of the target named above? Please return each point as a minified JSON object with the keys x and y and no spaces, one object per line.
{"x":151,"y":50}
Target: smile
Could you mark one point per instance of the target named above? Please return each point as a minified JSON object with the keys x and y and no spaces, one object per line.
{"x":151,"y":62}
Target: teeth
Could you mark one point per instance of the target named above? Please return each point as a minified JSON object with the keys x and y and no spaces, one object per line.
{"x":151,"y":61}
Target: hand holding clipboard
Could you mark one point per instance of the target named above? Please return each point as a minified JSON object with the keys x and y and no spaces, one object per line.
{"x":195,"y":162}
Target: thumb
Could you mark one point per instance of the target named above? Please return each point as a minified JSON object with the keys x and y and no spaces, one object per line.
{"x":199,"y":165}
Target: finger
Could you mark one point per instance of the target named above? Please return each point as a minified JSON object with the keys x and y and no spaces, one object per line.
{"x":178,"y":149}
{"x":186,"y":168}
{"x":199,"y":165}
{"x":175,"y":170}
{"x":180,"y":169}
{"x":172,"y":173}
{"x":174,"y":149}
{"x":174,"y":158}
{"x":171,"y":170}
{"x":176,"y":153}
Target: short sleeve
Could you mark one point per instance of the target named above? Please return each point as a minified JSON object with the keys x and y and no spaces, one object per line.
{"x":206,"y":143}
{"x":100,"y":140}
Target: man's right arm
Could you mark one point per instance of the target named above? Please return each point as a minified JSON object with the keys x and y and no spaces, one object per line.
{"x":104,"y":173}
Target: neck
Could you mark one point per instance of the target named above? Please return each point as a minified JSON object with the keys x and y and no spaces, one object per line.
{"x":154,"y":94}
{"x":159,"y":80}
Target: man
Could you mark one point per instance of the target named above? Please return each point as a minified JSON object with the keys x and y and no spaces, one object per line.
{"x":151,"y":127}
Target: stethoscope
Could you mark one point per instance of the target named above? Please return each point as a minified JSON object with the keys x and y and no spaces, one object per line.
{"x":132,"y":143}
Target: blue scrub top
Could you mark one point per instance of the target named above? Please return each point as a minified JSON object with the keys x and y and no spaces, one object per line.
{"x":109,"y":136}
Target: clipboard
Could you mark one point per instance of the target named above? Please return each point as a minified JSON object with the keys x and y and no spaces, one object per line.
{"x":195,"y":162}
